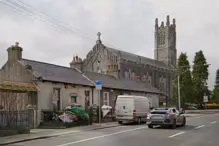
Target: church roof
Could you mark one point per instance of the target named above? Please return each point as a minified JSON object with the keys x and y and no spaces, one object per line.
{"x":56,"y":73}
{"x":109,"y":81}
{"x":137,"y":58}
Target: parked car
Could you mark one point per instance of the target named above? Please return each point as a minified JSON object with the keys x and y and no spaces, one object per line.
{"x":170,"y":117}
{"x":130,"y":108}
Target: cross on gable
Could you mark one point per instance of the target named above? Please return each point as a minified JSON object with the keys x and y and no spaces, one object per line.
{"x":99,"y":34}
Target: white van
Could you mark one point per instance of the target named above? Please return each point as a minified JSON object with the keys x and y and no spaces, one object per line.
{"x":131,"y":108}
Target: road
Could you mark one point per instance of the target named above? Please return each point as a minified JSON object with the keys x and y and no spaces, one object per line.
{"x":199,"y":131}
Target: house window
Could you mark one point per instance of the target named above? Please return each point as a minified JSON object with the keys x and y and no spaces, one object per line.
{"x":126,"y":75}
{"x":73,"y":99}
{"x":105,"y":98}
{"x":130,"y":74}
{"x":56,"y":98}
{"x":133,"y":75}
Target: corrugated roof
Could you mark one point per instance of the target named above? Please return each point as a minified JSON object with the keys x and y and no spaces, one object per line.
{"x":9,"y":86}
{"x":51,"y":72}
{"x":109,"y":81}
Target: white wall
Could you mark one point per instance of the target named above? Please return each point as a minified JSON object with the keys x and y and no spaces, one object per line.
{"x":46,"y":93}
{"x":95,"y":97}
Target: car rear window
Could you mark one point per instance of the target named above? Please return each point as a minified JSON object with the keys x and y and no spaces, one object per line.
{"x":158,"y":112}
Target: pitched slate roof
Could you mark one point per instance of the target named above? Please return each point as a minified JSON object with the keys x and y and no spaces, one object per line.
{"x":136,"y":58}
{"x":51,"y":72}
{"x":109,"y":81}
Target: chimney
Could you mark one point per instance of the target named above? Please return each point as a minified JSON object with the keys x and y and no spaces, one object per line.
{"x":77,"y":63}
{"x":14,"y":53}
{"x":113,"y":70}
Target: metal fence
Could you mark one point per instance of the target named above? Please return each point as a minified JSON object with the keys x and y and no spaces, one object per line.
{"x":14,"y":119}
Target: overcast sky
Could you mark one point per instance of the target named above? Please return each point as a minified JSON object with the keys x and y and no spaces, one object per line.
{"x":125,"y":24}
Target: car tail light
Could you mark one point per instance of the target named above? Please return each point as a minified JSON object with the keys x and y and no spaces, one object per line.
{"x":134,"y":113}
{"x":148,"y":116}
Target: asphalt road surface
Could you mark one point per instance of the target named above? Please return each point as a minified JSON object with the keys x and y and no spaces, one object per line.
{"x":199,"y":131}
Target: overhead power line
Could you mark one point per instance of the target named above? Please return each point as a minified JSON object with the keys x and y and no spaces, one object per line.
{"x":26,"y":11}
{"x":19,"y":5}
{"x":30,"y":11}
{"x":51,"y":17}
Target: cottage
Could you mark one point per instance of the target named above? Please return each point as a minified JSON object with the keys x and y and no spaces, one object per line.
{"x":58,"y":86}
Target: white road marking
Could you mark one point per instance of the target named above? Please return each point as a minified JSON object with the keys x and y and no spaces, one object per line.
{"x":213,"y":122}
{"x":199,"y":127}
{"x":102,"y":136}
{"x":176,"y":134}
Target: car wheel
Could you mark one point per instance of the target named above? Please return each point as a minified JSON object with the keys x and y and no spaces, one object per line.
{"x":174,"y":124}
{"x":184,"y":121}
{"x":120,"y":122}
{"x":150,"y":126}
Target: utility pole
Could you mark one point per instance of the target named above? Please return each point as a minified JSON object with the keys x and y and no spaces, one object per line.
{"x":99,"y":83}
{"x":179,"y":98}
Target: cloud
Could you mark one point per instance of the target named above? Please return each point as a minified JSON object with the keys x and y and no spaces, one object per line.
{"x":124,"y":24}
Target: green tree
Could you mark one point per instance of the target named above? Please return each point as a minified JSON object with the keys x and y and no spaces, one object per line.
{"x":200,"y":76}
{"x":186,"y":85}
{"x":217,"y":78}
{"x":215,"y":94}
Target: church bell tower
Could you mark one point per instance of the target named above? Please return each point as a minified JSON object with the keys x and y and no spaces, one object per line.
{"x":165,"y":42}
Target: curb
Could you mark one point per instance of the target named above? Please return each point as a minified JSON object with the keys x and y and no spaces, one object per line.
{"x":54,"y":135}
{"x":105,"y":127}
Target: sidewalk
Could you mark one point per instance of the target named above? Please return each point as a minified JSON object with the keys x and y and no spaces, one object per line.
{"x":47,"y":133}
{"x":207,"y":111}
{"x":192,"y":115}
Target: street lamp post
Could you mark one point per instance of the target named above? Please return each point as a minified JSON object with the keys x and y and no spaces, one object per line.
{"x":179,"y":98}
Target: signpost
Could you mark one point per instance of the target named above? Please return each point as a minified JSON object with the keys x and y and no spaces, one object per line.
{"x":99,"y":88}
{"x":205,"y":99}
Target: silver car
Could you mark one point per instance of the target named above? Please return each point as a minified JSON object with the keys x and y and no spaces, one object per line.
{"x":170,"y":117}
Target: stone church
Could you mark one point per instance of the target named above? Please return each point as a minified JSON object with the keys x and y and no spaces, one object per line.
{"x":125,"y":65}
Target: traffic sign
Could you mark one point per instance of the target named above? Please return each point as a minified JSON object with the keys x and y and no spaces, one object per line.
{"x":205,"y":98}
{"x":98,"y":85}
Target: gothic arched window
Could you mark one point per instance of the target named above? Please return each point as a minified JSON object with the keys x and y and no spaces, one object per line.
{"x":159,"y":40}
{"x":164,"y":39}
